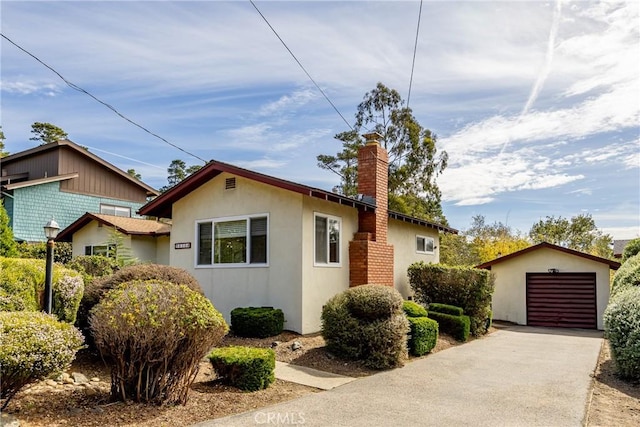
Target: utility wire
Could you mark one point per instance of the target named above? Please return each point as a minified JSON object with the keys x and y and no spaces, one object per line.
{"x":300,"y":64}
{"x":79,"y":89}
{"x":415,"y":48}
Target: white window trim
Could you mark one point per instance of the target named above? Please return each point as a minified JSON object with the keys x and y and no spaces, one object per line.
{"x":116,"y":208}
{"x":225,"y":219}
{"x":341,"y":254}
{"x":426,"y":238}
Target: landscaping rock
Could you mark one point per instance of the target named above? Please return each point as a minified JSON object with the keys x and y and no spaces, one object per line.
{"x":95,"y":380}
{"x":296,"y":346}
{"x":51,"y":383}
{"x":79,"y":378}
{"x":68,"y":380}
{"x":7,"y":420}
{"x":275,"y":344}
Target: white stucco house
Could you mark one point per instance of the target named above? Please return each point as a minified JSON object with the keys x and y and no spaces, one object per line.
{"x":93,"y":234}
{"x":549,"y":285}
{"x":256,"y":240}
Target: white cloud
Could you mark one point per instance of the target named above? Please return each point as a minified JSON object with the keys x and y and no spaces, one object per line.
{"x":29,"y":87}
{"x":288,"y":102}
{"x":261,"y":164}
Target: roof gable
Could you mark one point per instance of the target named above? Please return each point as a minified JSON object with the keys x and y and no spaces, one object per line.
{"x":161,"y":206}
{"x":612,"y":264}
{"x":67,"y":144}
{"x":125,"y":225}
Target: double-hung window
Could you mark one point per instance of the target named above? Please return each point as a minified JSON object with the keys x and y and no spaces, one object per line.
{"x":234,"y":241}
{"x":124,"y":211}
{"x":424,"y":245}
{"x":327,"y":232}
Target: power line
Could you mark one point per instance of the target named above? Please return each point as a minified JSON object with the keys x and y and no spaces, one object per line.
{"x":415,"y":48}
{"x":79,"y":89}
{"x":300,"y":64}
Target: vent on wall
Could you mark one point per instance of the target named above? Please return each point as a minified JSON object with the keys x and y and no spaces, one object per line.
{"x":230,"y":183}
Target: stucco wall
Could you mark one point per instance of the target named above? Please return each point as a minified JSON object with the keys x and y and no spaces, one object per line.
{"x":143,"y":248}
{"x":278,"y":284}
{"x":89,"y":235}
{"x":162,"y":250}
{"x":322,"y":282}
{"x":510,"y":295}
{"x":402,"y":236}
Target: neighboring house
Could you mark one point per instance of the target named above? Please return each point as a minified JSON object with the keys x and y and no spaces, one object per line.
{"x":548,"y":285}
{"x":618,"y":247}
{"x":94,"y":234}
{"x":62,"y":180}
{"x":255,"y":240}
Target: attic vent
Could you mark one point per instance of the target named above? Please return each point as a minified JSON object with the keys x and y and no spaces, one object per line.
{"x":230,"y":183}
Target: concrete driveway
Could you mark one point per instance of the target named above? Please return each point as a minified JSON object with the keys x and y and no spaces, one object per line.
{"x":517,"y":376}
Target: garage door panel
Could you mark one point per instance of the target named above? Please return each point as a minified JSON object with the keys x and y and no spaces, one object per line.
{"x":562,"y":300}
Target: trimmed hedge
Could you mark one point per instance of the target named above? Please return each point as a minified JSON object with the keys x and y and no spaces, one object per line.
{"x":22,"y":287}
{"x":153,"y":335}
{"x":33,"y":346}
{"x":456,"y":326}
{"x":622,"y":328}
{"x":355,"y":334}
{"x":423,"y":335}
{"x":412,"y":309}
{"x":466,"y":287}
{"x":247,"y":368}
{"x":257,"y":322}
{"x":627,"y":276}
{"x":446,"y":309}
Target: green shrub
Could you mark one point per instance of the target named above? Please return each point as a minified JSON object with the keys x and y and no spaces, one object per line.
{"x":412,"y":309}
{"x":622,"y":328}
{"x":423,"y":335}
{"x":153,"y":334}
{"x":446,"y":309}
{"x":466,"y":287}
{"x":91,"y":266}
{"x":38,"y":250}
{"x":257,"y":322}
{"x":380,"y":342}
{"x":33,"y":346}
{"x":632,"y":248}
{"x":627,"y":276}
{"x":22,"y":287}
{"x":247,"y":368}
{"x":98,"y":287}
{"x":456,"y":326}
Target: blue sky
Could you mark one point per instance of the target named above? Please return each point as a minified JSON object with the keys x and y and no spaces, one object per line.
{"x":537,"y":103}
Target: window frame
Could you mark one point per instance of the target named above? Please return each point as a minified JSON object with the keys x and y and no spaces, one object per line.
{"x":116,"y":208}
{"x":248,"y":263}
{"x":111,"y":250}
{"x":425,"y":238}
{"x":329,"y":218}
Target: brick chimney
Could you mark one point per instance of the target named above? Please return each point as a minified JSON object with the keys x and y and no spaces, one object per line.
{"x":370,"y":257}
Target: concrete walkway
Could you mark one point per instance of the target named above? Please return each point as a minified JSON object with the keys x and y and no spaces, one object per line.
{"x":310,"y":377}
{"x":518,"y":376}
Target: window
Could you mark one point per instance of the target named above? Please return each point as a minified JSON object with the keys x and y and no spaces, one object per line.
{"x":233,"y":241}
{"x":115,"y":210}
{"x":103,"y":250}
{"x":424,"y":245}
{"x":327,"y":239}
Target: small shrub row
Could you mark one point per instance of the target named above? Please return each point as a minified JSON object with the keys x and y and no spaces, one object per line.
{"x":247,"y":368}
{"x":622,"y":328}
{"x":257,"y":322}
{"x":33,"y":346}
{"x":412,"y":309}
{"x":466,"y":287}
{"x":446,"y":309}
{"x":456,"y":326}
{"x":153,"y":335}
{"x":367,"y":323}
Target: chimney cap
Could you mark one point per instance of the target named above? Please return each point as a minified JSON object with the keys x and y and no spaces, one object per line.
{"x":372,"y":138}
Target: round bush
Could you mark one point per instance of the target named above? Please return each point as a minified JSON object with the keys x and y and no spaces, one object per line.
{"x":32,"y":346}
{"x":374,"y":301}
{"x":153,"y":334}
{"x":622,"y":328}
{"x":412,"y":309}
{"x":377,"y":337}
{"x":98,"y":287}
{"x":632,"y":248}
{"x":627,"y":276}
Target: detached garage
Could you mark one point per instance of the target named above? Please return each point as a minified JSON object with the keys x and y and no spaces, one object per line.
{"x":548,"y":285}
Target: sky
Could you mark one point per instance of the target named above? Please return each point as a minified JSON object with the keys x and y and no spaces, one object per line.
{"x":537,"y":103}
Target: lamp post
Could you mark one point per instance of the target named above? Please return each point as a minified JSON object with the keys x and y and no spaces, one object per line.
{"x":50,"y":232}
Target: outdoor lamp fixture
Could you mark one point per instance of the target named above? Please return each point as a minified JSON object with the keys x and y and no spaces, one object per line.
{"x":553,"y":271}
{"x":50,"y":232}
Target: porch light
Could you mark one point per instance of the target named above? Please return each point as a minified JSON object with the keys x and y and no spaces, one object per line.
{"x":50,"y":232}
